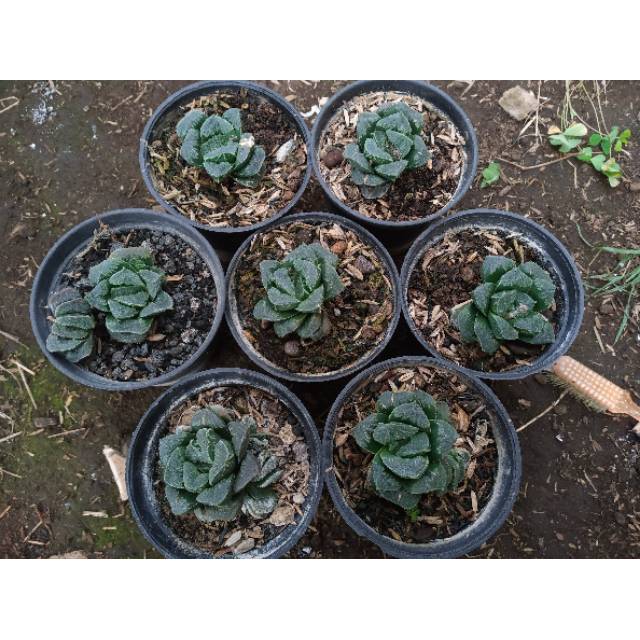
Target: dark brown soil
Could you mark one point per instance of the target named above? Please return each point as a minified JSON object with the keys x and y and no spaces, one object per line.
{"x":445,"y":276}
{"x":359,"y":316}
{"x":176,"y":334}
{"x":414,"y":194}
{"x":286,"y":442}
{"x":437,"y":516}
{"x":227,"y":204}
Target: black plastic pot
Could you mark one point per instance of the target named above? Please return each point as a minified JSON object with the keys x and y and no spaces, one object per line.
{"x":143,"y":454}
{"x":402,"y":232}
{"x":231,"y":313}
{"x":505,"y":489}
{"x":550,"y":253}
{"x":76,"y":239}
{"x":221,"y":237}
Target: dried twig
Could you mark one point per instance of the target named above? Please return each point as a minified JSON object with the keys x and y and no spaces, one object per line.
{"x":11,"y":437}
{"x":543,"y":413}
{"x":8,"y":336}
{"x":542,"y":164}
{"x":13,"y":104}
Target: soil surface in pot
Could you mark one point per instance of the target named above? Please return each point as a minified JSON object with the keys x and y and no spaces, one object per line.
{"x":359,"y":316}
{"x":446,"y":275}
{"x":245,"y":533}
{"x":197,"y":196}
{"x":415,"y":194}
{"x":176,"y":334}
{"x":436,"y":516}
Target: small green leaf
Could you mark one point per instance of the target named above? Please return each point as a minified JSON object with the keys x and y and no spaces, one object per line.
{"x":180,"y":502}
{"x":248,"y":471}
{"x":223,"y":461}
{"x":387,"y":432}
{"x":463,"y":318}
{"x":259,"y":503}
{"x":356,"y":158}
{"x":443,"y":437}
{"x":484,"y":335}
{"x":363,"y":433}
{"x":173,"y":473}
{"x":191,"y":120}
{"x":490,"y":175}
{"x":482,"y":296}
{"x":411,"y":413}
{"x":417,"y":444}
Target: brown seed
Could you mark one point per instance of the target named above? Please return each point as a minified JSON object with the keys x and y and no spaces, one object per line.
{"x":332,"y":157}
{"x":292,"y":348}
{"x":339,"y":247}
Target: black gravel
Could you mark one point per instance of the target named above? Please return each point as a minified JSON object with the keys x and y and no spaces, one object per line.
{"x":185,"y":327}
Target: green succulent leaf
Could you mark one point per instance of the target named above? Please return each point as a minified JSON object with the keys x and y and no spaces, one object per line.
{"x":180,"y":502}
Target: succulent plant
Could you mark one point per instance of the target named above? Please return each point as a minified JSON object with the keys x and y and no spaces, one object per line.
{"x":507,"y":305}
{"x":412,"y":439}
{"x":73,"y":324}
{"x":296,"y":289}
{"x":128,"y":288}
{"x":219,"y":466}
{"x":218,"y":145}
{"x":389,"y":142}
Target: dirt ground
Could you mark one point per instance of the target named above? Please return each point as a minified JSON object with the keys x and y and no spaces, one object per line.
{"x":68,"y":150}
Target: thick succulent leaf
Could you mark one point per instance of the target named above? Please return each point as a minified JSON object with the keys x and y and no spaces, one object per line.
{"x":426,"y":401}
{"x":180,"y":502}
{"x":125,"y":277}
{"x":484,"y":335}
{"x":218,"y":170}
{"x":418,"y":444}
{"x":482,"y":296}
{"x":82,"y":351}
{"x":216,"y":125}
{"x":131,"y":296}
{"x":169,"y":443}
{"x":419,"y":154}
{"x":121,"y":311}
{"x":461,"y":458}
{"x":285,"y":327}
{"x":414,"y":117}
{"x":75,"y":321}
{"x":193,"y":479}
{"x":523,"y":305}
{"x":191,"y":120}
{"x":264,"y":310}
{"x":502,"y":302}
{"x":494,"y":267}
{"x":464,"y":317}
{"x":375,"y":153}
{"x":387,"y":432}
{"x":224,"y":461}
{"x":76,"y":306}
{"x":218,"y":494}
{"x":391,"y":170}
{"x":363,"y":433}
{"x":97,"y":297}
{"x":152,"y":281}
{"x":253,"y":168}
{"x":406,"y":468}
{"x":545,"y":336}
{"x":366,"y":125}
{"x":132,"y":329}
{"x":225,"y":153}
{"x":530,"y":324}
{"x":381,"y":478}
{"x":333,"y":286}
{"x":443,"y":437}
{"x":280,"y":300}
{"x":61,"y":296}
{"x":57,"y":344}
{"x":543,"y":292}
{"x":69,"y":332}
{"x":267,"y":267}
{"x":259,"y":503}
{"x":357,"y":177}
{"x":401,"y":144}
{"x":245,"y":147}
{"x":209,"y":417}
{"x":103,"y":271}
{"x":357,"y":159}
{"x":234,"y":116}
{"x":411,"y":413}
{"x":308,"y":271}
{"x":173,"y":470}
{"x":402,"y":498}
{"x":396,"y":121}
{"x":514,"y":279}
{"x":248,"y":471}
{"x":240,"y":432}
{"x":137,"y":255}
{"x":434,"y":479}
{"x":198,"y":450}
{"x":190,"y":149}
{"x":225,"y":512}
{"x":270,"y":479}
{"x":501,"y":328}
{"x":281,"y":279}
{"x":268,"y":464}
{"x":311,"y":328}
{"x":162,"y":303}
{"x":313,"y":301}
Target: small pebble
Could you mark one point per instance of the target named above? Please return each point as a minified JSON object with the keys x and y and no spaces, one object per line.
{"x":332,"y":157}
{"x":292,"y":348}
{"x":363,"y":265}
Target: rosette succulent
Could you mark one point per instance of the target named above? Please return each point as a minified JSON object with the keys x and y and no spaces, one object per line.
{"x":389,"y":142}
{"x":128,"y":288}
{"x":412,"y":439}
{"x":73,"y":324}
{"x":507,"y":305}
{"x":218,"y":145}
{"x":218,"y":467}
{"x":296,"y":289}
